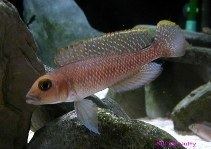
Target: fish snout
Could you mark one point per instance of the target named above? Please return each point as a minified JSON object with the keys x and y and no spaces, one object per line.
{"x":30,"y":99}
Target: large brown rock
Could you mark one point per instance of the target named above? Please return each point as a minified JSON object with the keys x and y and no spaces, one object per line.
{"x":66,"y":132}
{"x":19,"y":67}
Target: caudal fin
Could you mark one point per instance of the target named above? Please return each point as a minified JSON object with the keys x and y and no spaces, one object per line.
{"x":170,"y":39}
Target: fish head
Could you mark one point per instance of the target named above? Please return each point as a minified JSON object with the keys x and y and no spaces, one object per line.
{"x":193,"y":127}
{"x":47,"y":89}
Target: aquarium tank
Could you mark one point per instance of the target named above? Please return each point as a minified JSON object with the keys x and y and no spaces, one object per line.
{"x":115,"y":74}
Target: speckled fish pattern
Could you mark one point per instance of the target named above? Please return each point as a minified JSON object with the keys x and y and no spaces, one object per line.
{"x":92,"y":75}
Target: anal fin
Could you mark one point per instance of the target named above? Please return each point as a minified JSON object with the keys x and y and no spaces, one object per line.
{"x":145,"y":75}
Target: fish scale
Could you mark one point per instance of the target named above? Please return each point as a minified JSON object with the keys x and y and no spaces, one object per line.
{"x":93,"y":75}
{"x":115,"y":43}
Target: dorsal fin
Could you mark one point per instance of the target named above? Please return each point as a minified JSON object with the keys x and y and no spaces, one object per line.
{"x":108,"y":44}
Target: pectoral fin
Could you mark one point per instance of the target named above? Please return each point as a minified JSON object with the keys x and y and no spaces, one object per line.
{"x":145,"y":75}
{"x":86,"y":112}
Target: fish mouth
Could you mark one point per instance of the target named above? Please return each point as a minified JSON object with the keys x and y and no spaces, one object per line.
{"x":30,"y":99}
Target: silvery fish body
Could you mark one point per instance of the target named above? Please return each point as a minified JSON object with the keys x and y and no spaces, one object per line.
{"x":121,"y":61}
{"x":203,"y":130}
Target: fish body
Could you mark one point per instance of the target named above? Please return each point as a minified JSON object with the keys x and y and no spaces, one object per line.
{"x":93,"y":75}
{"x":203,"y":130}
{"x":121,"y":61}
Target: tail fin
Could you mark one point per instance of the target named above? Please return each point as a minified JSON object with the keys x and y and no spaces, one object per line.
{"x":170,"y":39}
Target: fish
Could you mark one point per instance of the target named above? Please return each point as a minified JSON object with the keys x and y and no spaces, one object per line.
{"x":203,"y":130}
{"x":206,"y":30}
{"x":120,"y":61}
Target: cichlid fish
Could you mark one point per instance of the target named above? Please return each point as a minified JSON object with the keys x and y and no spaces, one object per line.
{"x":121,"y":61}
{"x":203,"y":130}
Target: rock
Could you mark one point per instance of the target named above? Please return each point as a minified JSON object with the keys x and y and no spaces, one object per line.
{"x":198,"y":39}
{"x":193,"y":108}
{"x":176,"y":81}
{"x":46,"y":113}
{"x":55,"y":24}
{"x":19,"y":67}
{"x":195,"y":55}
{"x":112,"y":105}
{"x":132,"y":102}
{"x":67,"y":132}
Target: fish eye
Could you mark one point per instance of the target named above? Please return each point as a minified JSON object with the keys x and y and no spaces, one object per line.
{"x":45,"y":85}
